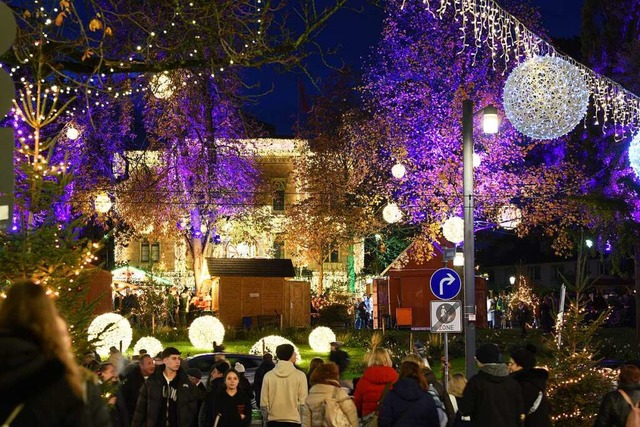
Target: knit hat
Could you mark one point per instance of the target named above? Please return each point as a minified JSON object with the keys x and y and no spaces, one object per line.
{"x":284,"y":351}
{"x":524,"y":357}
{"x":194,"y":372}
{"x":488,"y":353}
{"x":222,"y":367}
{"x":239,"y":367}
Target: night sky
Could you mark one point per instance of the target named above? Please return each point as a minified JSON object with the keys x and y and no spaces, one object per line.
{"x":356,"y":34}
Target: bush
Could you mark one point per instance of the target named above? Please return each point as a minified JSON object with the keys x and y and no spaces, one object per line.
{"x":334,"y":313}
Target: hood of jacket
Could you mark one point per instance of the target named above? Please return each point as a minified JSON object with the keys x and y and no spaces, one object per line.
{"x":24,"y":365}
{"x":380,"y":374}
{"x":494,"y":372}
{"x":284,"y":368}
{"x":536,"y":376}
{"x":408,"y":389}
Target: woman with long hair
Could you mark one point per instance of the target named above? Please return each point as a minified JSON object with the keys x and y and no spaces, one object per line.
{"x":40,"y":380}
{"x":232,"y":406}
{"x":378,"y":375}
{"x":325,"y":384}
{"x":409,"y":402}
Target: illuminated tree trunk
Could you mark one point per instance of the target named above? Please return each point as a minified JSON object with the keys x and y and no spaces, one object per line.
{"x":197,"y":254}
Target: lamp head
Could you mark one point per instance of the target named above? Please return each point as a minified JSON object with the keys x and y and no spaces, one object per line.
{"x":490,"y":121}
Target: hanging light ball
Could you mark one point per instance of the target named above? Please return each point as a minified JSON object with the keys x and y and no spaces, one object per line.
{"x":545,"y":97}
{"x":269,"y":343}
{"x":204,"y":331}
{"x":161,"y":86}
{"x":392,"y":213}
{"x":73,"y":133}
{"x":320,"y":339}
{"x":398,"y":170}
{"x":110,"y":330}
{"x":102,"y":203}
{"x":509,"y":217}
{"x":151,"y":344}
{"x":634,"y":154}
{"x":453,"y":229}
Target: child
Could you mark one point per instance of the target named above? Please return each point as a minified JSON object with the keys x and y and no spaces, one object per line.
{"x":232,"y":406}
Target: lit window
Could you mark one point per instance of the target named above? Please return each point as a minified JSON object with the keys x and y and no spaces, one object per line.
{"x":155,"y":252}
{"x":144,"y":251}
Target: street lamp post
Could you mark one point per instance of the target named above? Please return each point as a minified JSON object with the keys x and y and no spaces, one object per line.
{"x":490,"y":126}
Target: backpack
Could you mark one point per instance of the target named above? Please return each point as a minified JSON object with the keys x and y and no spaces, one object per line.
{"x":442,"y":414}
{"x":334,"y":416}
{"x":633,"y":419}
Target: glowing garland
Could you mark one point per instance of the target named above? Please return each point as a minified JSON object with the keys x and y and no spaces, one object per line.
{"x":269,"y":343}
{"x":320,"y":339}
{"x":509,"y":40}
{"x":204,"y":331}
{"x":110,"y":330}
{"x":151,"y":344}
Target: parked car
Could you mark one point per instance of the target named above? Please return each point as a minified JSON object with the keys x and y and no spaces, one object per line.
{"x":206,"y":361}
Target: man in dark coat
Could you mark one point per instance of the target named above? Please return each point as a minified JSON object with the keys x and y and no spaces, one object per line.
{"x":614,"y":408}
{"x":533,"y":382}
{"x":265,"y":366}
{"x":134,"y":379}
{"x":206,"y":415}
{"x":339,"y":357}
{"x":492,"y":398}
{"x":167,"y":398}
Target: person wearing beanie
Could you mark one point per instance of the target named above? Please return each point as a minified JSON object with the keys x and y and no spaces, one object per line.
{"x":492,"y":398}
{"x":206,"y":416}
{"x":243,"y":382}
{"x":533,"y":382}
{"x":284,"y":390}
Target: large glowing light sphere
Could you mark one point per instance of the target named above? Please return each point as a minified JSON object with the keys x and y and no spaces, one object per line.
{"x":151,"y":344}
{"x":268,"y":345}
{"x":161,"y":86}
{"x":102,"y":203}
{"x":509,"y":217}
{"x":453,"y":229}
{"x":634,"y":154}
{"x":392,"y":213}
{"x":545,"y":97}
{"x":204,"y":331}
{"x":320,"y":339}
{"x":110,"y":330}
{"x":398,"y":170}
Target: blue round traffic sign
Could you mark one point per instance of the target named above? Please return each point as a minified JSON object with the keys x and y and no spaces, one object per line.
{"x":445,"y":284}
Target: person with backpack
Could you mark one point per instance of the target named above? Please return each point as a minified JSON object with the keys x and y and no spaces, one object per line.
{"x":327,"y":404}
{"x":409,"y":403}
{"x":621,"y":408}
{"x":533,"y":382}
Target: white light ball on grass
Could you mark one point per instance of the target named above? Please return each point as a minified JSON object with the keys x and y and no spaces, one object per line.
{"x":509,"y":217}
{"x":269,"y":345}
{"x":204,"y":331}
{"x":398,"y":170}
{"x":151,"y":344}
{"x":453,"y":229}
{"x":110,"y":330}
{"x":320,"y":339}
{"x":634,"y":154}
{"x":545,"y":97}
{"x":392,"y":213}
{"x":161,"y":86}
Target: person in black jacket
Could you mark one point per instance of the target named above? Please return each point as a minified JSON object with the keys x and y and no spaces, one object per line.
{"x":492,"y":398}
{"x":206,"y":416}
{"x":232,"y":405}
{"x":111,"y":384}
{"x":533,"y":382}
{"x":134,"y":379}
{"x":614,"y":408}
{"x":339,"y":357}
{"x":409,"y":402}
{"x":265,"y":366}
{"x":167,"y":398}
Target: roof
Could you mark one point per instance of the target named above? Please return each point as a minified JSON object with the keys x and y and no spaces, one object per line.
{"x":250,"y":267}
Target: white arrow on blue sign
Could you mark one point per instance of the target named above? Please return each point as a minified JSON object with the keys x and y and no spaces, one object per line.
{"x":445,"y":284}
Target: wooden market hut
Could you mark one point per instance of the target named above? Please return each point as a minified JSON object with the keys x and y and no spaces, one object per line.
{"x":258,"y":292}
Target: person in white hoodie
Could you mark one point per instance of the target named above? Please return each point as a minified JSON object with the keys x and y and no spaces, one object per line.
{"x":284,"y":390}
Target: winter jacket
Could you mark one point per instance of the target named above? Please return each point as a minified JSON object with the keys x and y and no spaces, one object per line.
{"x":492,"y":398}
{"x":29,"y":378}
{"x":408,"y":405}
{"x":370,"y":387}
{"x":230,"y":407}
{"x":340,"y":358}
{"x":284,"y":390}
{"x":533,"y":381}
{"x":262,"y":370}
{"x":206,"y":415}
{"x":149,"y":407}
{"x":313,"y":410}
{"x":614,"y":410}
{"x":131,"y":386}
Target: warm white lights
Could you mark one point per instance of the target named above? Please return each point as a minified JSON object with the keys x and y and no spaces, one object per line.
{"x":589,"y":243}
{"x":453,"y":229}
{"x":509,"y":217}
{"x":392,"y":213}
{"x":161,"y":86}
{"x":204,"y":331}
{"x":634,"y":154}
{"x":102,"y":203}
{"x":490,"y":120}
{"x":458,"y":260}
{"x":545,"y":97}
{"x":320,"y":339}
{"x":268,"y":345}
{"x":110,"y":330}
{"x":398,"y":170}
{"x":73,"y":133}
{"x":151,"y":344}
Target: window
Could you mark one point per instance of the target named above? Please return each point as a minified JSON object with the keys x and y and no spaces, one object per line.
{"x":534,"y":272}
{"x":144,"y":251}
{"x":155,"y":252}
{"x":278,"y":195}
{"x":335,"y":256}
{"x":278,"y":250}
